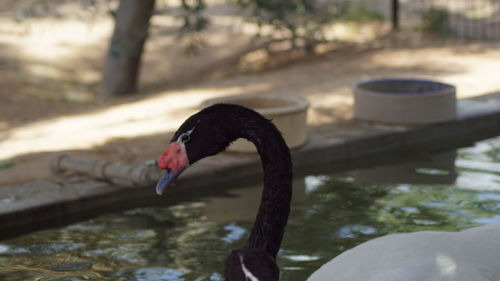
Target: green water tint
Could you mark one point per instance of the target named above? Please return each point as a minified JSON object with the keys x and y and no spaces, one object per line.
{"x":330,"y":213}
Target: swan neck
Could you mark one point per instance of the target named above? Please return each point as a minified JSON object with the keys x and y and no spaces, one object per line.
{"x":269,"y":227}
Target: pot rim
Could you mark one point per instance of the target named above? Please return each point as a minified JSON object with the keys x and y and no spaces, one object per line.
{"x":446,"y":89}
{"x":299,"y":103}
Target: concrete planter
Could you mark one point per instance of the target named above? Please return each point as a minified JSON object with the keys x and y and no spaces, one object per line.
{"x":404,"y":101}
{"x":289,"y":114}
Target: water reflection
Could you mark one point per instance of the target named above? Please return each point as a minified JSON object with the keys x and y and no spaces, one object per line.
{"x":242,"y":203}
{"x":330,"y":213}
{"x":436,"y":169}
{"x":235,"y":233}
{"x":147,"y":274}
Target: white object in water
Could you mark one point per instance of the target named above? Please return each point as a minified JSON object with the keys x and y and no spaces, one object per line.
{"x":468,"y":255}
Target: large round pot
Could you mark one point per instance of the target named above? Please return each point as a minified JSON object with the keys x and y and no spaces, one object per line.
{"x":288,"y":113}
{"x":404,"y":101}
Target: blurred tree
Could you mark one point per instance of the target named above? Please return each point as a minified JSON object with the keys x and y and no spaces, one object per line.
{"x":301,"y":23}
{"x":304,"y":23}
{"x":121,"y":66}
{"x":298,"y":22}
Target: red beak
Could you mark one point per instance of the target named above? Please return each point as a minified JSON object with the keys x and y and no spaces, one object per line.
{"x":174,"y":160}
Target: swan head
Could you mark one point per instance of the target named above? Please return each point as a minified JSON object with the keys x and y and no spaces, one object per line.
{"x":251,"y":265}
{"x":205,"y":133}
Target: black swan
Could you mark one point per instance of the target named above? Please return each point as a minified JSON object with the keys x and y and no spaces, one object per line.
{"x":209,"y":132}
{"x":470,"y":255}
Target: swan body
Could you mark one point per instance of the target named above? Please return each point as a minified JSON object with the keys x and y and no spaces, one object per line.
{"x":468,"y":255}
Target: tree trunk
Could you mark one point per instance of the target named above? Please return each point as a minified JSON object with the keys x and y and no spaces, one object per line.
{"x":121,"y":66}
{"x":395,"y":15}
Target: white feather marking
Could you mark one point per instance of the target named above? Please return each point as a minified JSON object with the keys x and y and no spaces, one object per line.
{"x":248,"y":274}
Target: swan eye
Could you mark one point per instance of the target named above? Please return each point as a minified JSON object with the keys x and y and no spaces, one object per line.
{"x":184,"y":138}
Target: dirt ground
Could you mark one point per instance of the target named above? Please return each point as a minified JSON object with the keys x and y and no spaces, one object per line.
{"x":49,"y":69}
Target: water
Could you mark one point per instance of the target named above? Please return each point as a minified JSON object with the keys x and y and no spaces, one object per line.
{"x":331,"y":213}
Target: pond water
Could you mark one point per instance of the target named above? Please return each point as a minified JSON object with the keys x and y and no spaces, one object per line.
{"x":330,"y":213}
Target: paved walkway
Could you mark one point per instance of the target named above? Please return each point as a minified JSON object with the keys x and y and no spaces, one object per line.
{"x":137,"y":130}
